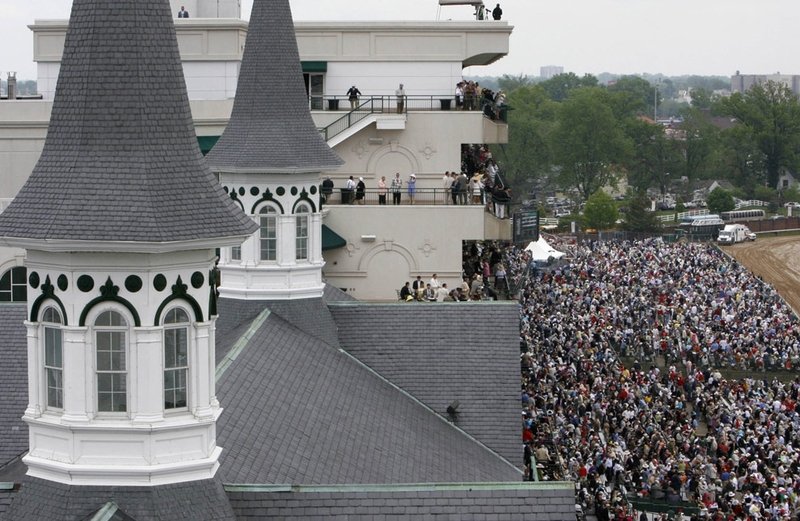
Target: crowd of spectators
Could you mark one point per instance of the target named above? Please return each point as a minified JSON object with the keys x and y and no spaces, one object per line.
{"x":471,"y":96}
{"x":624,"y":346}
{"x":478,"y":164}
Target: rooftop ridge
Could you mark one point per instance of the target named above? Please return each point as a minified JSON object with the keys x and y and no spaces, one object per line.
{"x":403,"y":487}
{"x":121,"y":161}
{"x":270,"y":125}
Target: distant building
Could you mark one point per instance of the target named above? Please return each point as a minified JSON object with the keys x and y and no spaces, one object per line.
{"x":744,"y":82}
{"x":548,"y":71}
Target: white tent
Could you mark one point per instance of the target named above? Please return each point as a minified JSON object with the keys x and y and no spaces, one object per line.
{"x":541,"y":250}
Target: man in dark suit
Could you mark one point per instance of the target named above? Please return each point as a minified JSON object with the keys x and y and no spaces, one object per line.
{"x":183,"y":13}
{"x":497,"y":13}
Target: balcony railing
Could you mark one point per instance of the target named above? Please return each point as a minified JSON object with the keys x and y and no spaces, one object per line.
{"x":422,"y":196}
{"x":389,"y":105}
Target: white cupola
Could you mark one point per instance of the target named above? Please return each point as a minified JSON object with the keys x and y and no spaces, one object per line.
{"x":270,"y":161}
{"x":120,"y":219}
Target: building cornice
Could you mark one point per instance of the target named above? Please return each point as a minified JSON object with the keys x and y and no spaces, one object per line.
{"x":60,"y":245}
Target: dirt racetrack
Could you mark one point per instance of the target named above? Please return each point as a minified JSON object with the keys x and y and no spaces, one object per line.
{"x":776,"y":260}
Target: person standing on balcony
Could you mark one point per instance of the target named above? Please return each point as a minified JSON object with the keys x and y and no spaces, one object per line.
{"x":382,"y":190}
{"x":361,"y":188}
{"x":401,"y":99}
{"x":349,"y":189}
{"x":460,"y":95}
{"x":463,"y":184}
{"x":454,"y":188}
{"x":497,"y":13}
{"x":447,"y":182}
{"x":397,"y":188}
{"x":412,"y":188}
{"x":352,"y":94}
{"x":183,"y":13}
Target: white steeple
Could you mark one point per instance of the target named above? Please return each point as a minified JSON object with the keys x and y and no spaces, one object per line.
{"x":270,"y":160}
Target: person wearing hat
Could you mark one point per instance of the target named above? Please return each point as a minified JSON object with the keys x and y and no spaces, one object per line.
{"x":360,"y":189}
{"x":412,"y":188}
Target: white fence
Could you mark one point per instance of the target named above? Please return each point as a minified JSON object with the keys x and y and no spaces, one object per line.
{"x":672,"y":217}
{"x":751,"y":202}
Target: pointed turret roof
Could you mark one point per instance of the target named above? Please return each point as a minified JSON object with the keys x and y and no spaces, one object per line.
{"x":121,"y":161}
{"x":271,"y":129}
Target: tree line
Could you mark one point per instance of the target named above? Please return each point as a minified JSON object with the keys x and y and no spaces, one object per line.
{"x":573,"y":134}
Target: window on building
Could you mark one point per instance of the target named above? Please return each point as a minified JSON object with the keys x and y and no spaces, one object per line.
{"x":269,"y":233}
{"x":301,"y":233}
{"x":112,"y":370}
{"x":14,"y":285}
{"x":236,"y":253}
{"x":176,"y":358}
{"x":53,"y":358}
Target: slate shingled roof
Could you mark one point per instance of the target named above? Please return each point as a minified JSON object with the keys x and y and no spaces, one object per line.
{"x":13,"y":382}
{"x":526,"y":502}
{"x":299,"y":411}
{"x":442,"y":352}
{"x":121,"y":161}
{"x":270,"y":128}
{"x":39,"y":500}
{"x":7,"y":494}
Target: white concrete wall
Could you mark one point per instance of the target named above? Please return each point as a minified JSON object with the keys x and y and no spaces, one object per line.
{"x":383,"y":78}
{"x":389,"y":245}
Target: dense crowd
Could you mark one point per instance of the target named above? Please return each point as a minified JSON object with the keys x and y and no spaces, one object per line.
{"x":664,"y":425}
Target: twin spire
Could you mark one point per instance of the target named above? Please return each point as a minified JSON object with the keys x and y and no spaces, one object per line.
{"x":271,"y":129}
{"x":121,"y":161}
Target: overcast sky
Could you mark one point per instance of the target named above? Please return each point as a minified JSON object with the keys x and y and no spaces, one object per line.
{"x":673,"y":37}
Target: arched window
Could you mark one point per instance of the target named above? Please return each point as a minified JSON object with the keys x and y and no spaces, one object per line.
{"x":176,"y":358}
{"x":112,"y":368}
{"x":53,"y":358}
{"x":14,"y":285}
{"x":301,"y":232}
{"x":269,"y":233}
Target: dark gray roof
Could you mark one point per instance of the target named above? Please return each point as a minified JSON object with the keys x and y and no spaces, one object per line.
{"x":270,"y":128}
{"x":312,"y":316}
{"x":235,"y":319}
{"x":7,"y":493}
{"x":522,"y":502}
{"x":334,"y":294}
{"x":13,"y":382}
{"x":299,"y":411}
{"x":121,"y":161}
{"x":38,"y":500}
{"x":442,"y":352}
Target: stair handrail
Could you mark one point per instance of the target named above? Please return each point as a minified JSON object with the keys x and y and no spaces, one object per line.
{"x":351,"y":118}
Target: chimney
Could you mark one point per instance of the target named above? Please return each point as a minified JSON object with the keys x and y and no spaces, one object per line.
{"x":12,"y":85}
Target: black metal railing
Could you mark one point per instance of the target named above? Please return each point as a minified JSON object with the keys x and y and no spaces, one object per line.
{"x":389,"y":105}
{"x":421,"y":196}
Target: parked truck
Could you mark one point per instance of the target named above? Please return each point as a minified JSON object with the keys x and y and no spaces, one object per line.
{"x":733,"y":233}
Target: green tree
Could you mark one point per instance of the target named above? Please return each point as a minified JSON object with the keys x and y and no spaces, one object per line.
{"x":701,"y":98}
{"x":508,"y":83}
{"x":771,"y":114}
{"x":637,"y":92}
{"x":527,"y":154}
{"x":559,"y":86}
{"x":600,"y":211}
{"x":656,"y":158}
{"x":700,"y":139}
{"x":587,"y":142}
{"x":720,"y":201}
{"x":639,"y":218}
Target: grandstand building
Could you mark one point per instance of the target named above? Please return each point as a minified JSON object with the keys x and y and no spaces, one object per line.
{"x":136,"y":388}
